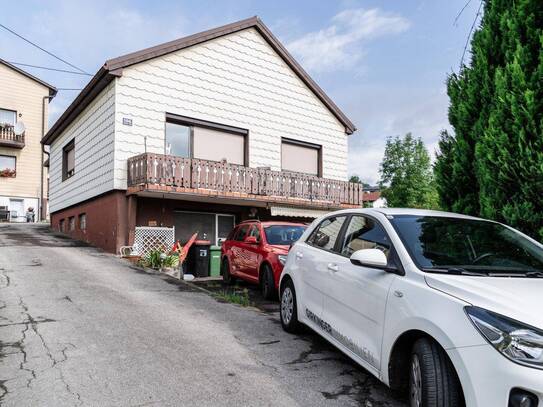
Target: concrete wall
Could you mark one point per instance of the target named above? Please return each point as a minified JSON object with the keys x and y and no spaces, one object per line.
{"x":94,"y":133}
{"x":25,"y":96}
{"x":236,"y":80}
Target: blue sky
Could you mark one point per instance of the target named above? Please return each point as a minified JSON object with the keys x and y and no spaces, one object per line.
{"x":383,"y":62}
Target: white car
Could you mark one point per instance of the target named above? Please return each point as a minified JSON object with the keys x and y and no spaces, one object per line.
{"x":444,"y":307}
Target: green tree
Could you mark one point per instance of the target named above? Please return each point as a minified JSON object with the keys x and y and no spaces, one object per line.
{"x":446,"y":187}
{"x":406,"y":174}
{"x":494,"y":163}
{"x":356,"y":179}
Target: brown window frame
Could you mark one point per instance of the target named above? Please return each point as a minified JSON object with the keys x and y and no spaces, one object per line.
{"x":314,"y":146}
{"x":191,"y":122}
{"x":15,"y":165}
{"x":65,"y":150}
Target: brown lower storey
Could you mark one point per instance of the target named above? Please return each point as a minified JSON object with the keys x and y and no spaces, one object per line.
{"x":110,"y":218}
{"x":106,"y":221}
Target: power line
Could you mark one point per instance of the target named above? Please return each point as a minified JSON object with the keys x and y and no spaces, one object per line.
{"x":49,"y":69}
{"x":460,"y":12}
{"x":42,"y":49}
{"x":470,"y":32}
{"x":68,"y":89}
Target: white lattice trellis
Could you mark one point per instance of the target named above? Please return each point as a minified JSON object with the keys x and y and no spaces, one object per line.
{"x":148,"y":238}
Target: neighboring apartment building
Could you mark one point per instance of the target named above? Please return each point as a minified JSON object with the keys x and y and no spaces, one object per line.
{"x":24,"y":101}
{"x":198,"y":133}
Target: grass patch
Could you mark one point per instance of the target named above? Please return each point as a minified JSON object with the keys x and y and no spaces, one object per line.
{"x":235,"y":297}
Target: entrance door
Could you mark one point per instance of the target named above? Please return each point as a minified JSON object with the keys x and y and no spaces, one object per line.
{"x":210,"y":226}
{"x":17,"y":209}
{"x":188,"y":223}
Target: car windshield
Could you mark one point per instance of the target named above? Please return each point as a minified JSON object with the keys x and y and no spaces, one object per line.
{"x":283,"y":234}
{"x":456,"y":245}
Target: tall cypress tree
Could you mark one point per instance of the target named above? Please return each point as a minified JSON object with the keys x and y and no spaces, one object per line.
{"x":495,"y":160}
{"x":510,"y":152}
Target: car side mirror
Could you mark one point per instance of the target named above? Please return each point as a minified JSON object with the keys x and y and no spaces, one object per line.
{"x":250,"y":240}
{"x":370,"y":258}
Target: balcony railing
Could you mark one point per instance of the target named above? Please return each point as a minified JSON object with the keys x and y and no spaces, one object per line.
{"x":177,"y":174}
{"x":8,"y":138}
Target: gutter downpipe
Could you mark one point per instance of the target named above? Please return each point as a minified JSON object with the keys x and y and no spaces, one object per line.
{"x":41,"y":214}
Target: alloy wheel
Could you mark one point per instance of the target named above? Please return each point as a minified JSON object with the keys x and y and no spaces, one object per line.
{"x":287,"y":305}
{"x":415,"y":382}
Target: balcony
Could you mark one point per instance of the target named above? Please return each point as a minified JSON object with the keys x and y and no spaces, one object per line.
{"x":8,"y":138}
{"x":148,"y":173}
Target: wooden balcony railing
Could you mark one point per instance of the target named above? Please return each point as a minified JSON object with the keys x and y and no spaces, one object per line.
{"x":234,"y":180}
{"x":8,"y":138}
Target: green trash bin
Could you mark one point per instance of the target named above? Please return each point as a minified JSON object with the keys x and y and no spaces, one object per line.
{"x":215,"y":261}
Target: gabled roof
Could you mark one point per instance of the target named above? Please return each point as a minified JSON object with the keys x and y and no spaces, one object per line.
{"x":113,"y":68}
{"x":52,"y":89}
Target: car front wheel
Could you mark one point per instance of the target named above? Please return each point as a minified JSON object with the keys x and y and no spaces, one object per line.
{"x":289,"y":308}
{"x":432,"y":379}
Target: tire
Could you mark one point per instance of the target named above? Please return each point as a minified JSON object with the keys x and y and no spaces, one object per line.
{"x":289,"y":308}
{"x":267,"y":283}
{"x":432,"y":379}
{"x":227,"y":278}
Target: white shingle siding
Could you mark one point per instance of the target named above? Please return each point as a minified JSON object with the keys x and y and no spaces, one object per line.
{"x":236,"y":80}
{"x":94,"y":131}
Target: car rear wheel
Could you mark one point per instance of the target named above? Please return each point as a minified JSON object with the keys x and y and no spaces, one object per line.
{"x":227,"y":278}
{"x":289,"y":308}
{"x":267,"y":284}
{"x":432,"y":379}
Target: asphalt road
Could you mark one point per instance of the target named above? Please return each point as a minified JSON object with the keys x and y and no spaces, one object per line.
{"x":81,"y":327}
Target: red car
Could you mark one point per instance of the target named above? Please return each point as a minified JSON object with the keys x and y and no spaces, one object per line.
{"x":256,"y":251}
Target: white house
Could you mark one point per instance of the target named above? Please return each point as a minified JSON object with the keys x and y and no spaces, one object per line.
{"x":200,"y":133}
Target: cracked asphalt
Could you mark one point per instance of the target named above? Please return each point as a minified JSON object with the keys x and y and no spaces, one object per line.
{"x":81,"y":327}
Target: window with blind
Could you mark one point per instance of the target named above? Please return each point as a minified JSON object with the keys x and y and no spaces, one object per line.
{"x":218,"y":145}
{"x":68,"y":160}
{"x":300,"y":157}
{"x":195,"y":138}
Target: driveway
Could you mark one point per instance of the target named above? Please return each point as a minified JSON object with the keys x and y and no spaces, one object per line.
{"x":80,"y":327}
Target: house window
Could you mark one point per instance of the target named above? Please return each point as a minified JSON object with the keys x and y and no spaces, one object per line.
{"x":61,"y":225}
{"x":8,"y":166}
{"x":71,"y":223}
{"x":68,"y":160}
{"x":297,"y":156}
{"x":194,"y":138}
{"x":178,"y":140}
{"x":83,"y":221}
{"x":8,"y":117}
{"x":215,"y":145}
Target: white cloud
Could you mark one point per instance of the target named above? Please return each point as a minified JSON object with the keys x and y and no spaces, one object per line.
{"x":421,"y":111}
{"x":340,"y":45}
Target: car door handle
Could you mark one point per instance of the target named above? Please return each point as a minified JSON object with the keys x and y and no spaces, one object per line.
{"x":333,"y":267}
{"x":299,"y":255}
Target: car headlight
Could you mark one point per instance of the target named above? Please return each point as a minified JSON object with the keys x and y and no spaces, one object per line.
{"x":517,"y":341}
{"x":282,"y":258}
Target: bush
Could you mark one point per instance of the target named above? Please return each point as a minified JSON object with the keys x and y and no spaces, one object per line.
{"x":157,"y":259}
